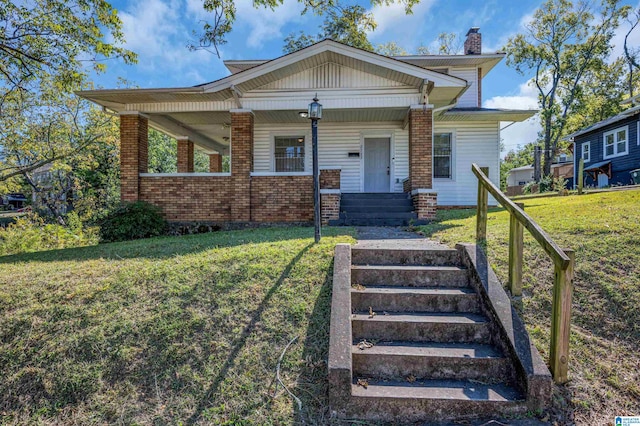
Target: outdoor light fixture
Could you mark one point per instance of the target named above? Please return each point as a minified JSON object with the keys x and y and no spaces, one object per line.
{"x":315,"y":114}
{"x":315,"y":109}
{"x":303,"y":114}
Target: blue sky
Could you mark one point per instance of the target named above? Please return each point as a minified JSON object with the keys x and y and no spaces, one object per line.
{"x":159,"y":31}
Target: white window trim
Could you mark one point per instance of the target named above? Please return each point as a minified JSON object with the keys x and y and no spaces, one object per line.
{"x":453,"y":155}
{"x":292,"y":133}
{"x":615,"y":143}
{"x":586,"y":160}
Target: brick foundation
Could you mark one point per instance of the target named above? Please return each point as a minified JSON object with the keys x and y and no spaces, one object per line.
{"x":133,"y":154}
{"x":215,"y":163}
{"x":330,"y":179}
{"x":420,"y":148}
{"x":281,"y":199}
{"x":406,"y":185}
{"x":425,"y":204}
{"x":185,"y":156}
{"x":329,"y":207}
{"x":190,"y":198}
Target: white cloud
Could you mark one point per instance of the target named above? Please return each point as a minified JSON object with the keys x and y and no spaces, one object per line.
{"x":518,"y":134}
{"x":393,"y":18}
{"x":618,"y":38}
{"x":158,"y":31}
{"x":266,"y":24}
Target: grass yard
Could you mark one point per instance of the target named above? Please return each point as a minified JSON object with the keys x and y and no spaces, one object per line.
{"x":184,"y":330}
{"x":604,"y":229}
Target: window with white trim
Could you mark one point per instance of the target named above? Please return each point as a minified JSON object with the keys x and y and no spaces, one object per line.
{"x":288,"y":152}
{"x":616,"y":142}
{"x":442,"y":155}
{"x":586,"y":151}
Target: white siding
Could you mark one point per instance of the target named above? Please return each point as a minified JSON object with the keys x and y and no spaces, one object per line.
{"x":474,"y":142}
{"x":331,"y":76}
{"x":335,"y":142}
{"x":470,"y":97}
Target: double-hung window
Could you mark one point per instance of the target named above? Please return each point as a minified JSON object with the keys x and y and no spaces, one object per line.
{"x":616,"y":142}
{"x":289,"y":154}
{"x":442,"y":155}
{"x":586,"y":151}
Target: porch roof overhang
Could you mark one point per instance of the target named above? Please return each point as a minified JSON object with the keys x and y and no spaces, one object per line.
{"x":485,"y":114}
{"x":202,"y":112}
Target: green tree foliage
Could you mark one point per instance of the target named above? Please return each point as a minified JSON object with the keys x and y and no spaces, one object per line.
{"x":561,"y":45}
{"x":391,"y":49}
{"x":53,"y":38}
{"x":348,"y":25}
{"x":343,"y":23}
{"x":163,"y":153}
{"x":450,"y":43}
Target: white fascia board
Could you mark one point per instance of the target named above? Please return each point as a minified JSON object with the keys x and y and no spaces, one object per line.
{"x":331,"y":46}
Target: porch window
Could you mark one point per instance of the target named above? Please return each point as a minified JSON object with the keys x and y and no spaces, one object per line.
{"x":616,"y":142}
{"x":442,"y":155}
{"x":586,"y":151}
{"x":289,"y":153}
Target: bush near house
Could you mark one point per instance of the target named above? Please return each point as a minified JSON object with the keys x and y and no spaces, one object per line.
{"x":169,"y":330}
{"x":603,"y":230}
{"x":132,"y":221}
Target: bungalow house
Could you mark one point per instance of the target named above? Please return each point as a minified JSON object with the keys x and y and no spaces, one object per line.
{"x":408,"y":125}
{"x":610,"y":148}
{"x":518,"y":177}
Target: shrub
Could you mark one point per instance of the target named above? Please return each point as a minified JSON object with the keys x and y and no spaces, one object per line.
{"x":131,"y":221}
{"x":546,"y":184}
{"x":528,"y":187}
{"x":31,"y":233}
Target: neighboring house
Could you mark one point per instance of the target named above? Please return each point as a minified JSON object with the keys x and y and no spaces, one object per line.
{"x":409,"y":124}
{"x":610,"y":148}
{"x":50,"y":192}
{"x":520,"y":176}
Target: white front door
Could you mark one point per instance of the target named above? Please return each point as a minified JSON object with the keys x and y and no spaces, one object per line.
{"x":376,"y":164}
{"x":603,"y":180}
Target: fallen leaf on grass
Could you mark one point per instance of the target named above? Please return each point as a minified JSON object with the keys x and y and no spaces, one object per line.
{"x":363,"y":382}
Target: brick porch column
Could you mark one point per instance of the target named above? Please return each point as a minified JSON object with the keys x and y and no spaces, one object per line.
{"x":241,"y":163}
{"x":134,"y":128}
{"x":185,"y":155}
{"x":421,"y":161}
{"x":215,"y":163}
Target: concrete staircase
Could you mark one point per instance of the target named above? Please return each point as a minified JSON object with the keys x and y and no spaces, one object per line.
{"x":423,"y":343}
{"x":376,"y":209}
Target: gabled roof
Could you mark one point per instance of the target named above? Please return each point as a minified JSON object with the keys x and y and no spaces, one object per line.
{"x":342,"y":54}
{"x":604,"y":123}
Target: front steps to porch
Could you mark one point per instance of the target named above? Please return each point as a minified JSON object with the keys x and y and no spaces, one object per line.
{"x":422,"y":334}
{"x":377,"y":209}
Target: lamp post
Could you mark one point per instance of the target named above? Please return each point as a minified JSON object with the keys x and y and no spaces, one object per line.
{"x":314,"y":114}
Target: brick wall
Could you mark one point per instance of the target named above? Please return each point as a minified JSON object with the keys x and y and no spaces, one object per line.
{"x":241,"y":164}
{"x":329,"y":207}
{"x":406,"y":185}
{"x":425,"y":204}
{"x":133,"y":154}
{"x":282,"y":198}
{"x":473,"y":42}
{"x":190,"y":198}
{"x":420,"y":148}
{"x":185,"y":156}
{"x":330,"y":179}
{"x":215,"y":163}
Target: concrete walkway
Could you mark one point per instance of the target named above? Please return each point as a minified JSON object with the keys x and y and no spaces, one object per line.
{"x":389,"y":237}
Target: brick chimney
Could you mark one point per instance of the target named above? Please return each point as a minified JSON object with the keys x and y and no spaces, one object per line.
{"x":473,"y":43}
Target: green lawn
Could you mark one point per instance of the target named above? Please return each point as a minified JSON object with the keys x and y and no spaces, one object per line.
{"x":604,"y":229}
{"x":184,"y":330}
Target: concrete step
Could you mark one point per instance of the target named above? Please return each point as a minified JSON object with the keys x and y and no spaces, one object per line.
{"x":412,"y":275}
{"x":404,"y":256}
{"x":376,"y":195}
{"x":432,"y":400}
{"x":460,"y":361}
{"x":374,"y":203}
{"x":379,"y":222}
{"x":421,"y":327}
{"x":414,"y":299}
{"x":402,"y":208}
{"x":380,"y":214}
